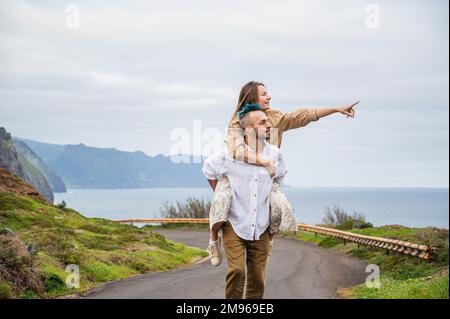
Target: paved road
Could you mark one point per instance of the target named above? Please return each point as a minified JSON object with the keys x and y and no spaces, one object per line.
{"x":296,"y":270}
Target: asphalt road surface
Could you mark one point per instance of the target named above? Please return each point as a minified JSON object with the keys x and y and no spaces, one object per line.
{"x":296,"y":270}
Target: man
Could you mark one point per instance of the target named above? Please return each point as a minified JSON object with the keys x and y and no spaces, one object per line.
{"x":246,"y":233}
{"x":282,"y":215}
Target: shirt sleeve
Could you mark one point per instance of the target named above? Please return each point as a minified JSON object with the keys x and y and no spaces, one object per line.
{"x":214,"y":166}
{"x":235,"y":139}
{"x":290,"y":120}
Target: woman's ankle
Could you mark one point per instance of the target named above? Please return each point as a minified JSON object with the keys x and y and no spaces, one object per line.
{"x":215,"y":229}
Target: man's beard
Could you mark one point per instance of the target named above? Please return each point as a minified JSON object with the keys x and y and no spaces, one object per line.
{"x":263,"y":136}
{"x":259,"y":135}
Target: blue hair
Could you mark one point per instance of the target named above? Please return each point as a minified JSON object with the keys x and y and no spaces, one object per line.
{"x":248,"y":108}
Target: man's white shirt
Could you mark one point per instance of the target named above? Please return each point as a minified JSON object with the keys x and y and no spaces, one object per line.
{"x":251,"y":184}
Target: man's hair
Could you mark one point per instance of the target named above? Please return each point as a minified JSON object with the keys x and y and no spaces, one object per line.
{"x":246,"y":120}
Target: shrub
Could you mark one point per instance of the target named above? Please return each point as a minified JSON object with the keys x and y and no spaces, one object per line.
{"x":29,"y":295}
{"x":62,"y":205}
{"x":354,"y":224}
{"x":53,"y":282}
{"x":100,"y":272}
{"x":5,"y":291}
{"x":139,"y":266}
{"x":10,"y":258}
{"x":191,"y":208}
{"x":338,"y":218}
{"x":70,"y":255}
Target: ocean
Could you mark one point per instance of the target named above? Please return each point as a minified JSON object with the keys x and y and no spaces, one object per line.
{"x":413,"y":207}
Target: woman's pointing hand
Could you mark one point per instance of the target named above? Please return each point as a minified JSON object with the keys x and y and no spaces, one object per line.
{"x":348,"y":109}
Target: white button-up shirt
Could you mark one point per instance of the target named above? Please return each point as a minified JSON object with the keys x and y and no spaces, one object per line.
{"x":249,"y":211}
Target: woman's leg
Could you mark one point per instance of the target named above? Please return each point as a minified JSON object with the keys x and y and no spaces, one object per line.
{"x":218,"y":215}
{"x":276,"y":209}
{"x":215,"y":230}
{"x":220,"y":206}
{"x":282,"y":215}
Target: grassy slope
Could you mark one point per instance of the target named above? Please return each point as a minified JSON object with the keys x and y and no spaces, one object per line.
{"x":104,"y":250}
{"x":402,"y":276}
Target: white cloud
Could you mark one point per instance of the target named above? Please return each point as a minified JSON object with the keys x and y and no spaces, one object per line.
{"x":142,"y":68}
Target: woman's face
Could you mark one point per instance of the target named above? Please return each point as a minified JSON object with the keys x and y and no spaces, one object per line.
{"x":263,"y":97}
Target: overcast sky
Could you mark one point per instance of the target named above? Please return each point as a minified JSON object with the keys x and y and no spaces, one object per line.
{"x":126,"y":74}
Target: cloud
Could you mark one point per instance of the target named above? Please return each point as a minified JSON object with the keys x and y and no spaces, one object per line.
{"x":136,"y":70}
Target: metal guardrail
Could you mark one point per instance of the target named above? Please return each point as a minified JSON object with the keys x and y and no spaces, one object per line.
{"x":416,"y":250}
{"x":166,"y":221}
{"x":421,"y":251}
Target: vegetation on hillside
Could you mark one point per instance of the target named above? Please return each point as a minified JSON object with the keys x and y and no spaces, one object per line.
{"x":14,"y":161}
{"x":402,"y":276}
{"x":38,"y":240}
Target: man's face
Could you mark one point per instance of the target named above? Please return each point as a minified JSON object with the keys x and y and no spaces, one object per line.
{"x":260,"y":124}
{"x":263,"y":97}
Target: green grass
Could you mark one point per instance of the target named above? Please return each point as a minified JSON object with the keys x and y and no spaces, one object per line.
{"x":412,"y":288}
{"x":304,"y":236}
{"x":104,"y":250}
{"x":402,"y":276}
{"x":6,"y":290}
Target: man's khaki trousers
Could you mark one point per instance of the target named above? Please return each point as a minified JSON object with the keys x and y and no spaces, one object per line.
{"x":236,"y":250}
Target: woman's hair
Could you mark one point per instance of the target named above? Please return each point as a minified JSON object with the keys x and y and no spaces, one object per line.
{"x":248,"y":94}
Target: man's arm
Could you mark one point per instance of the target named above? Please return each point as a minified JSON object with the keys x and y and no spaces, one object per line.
{"x":213,"y":167}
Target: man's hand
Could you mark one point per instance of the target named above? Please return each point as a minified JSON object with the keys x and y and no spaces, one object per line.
{"x":348,"y":109}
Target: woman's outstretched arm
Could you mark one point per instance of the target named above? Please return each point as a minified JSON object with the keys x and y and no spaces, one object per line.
{"x":301,"y":117}
{"x":346,"y":110}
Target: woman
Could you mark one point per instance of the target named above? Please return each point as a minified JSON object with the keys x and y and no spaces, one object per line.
{"x":282,"y":215}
